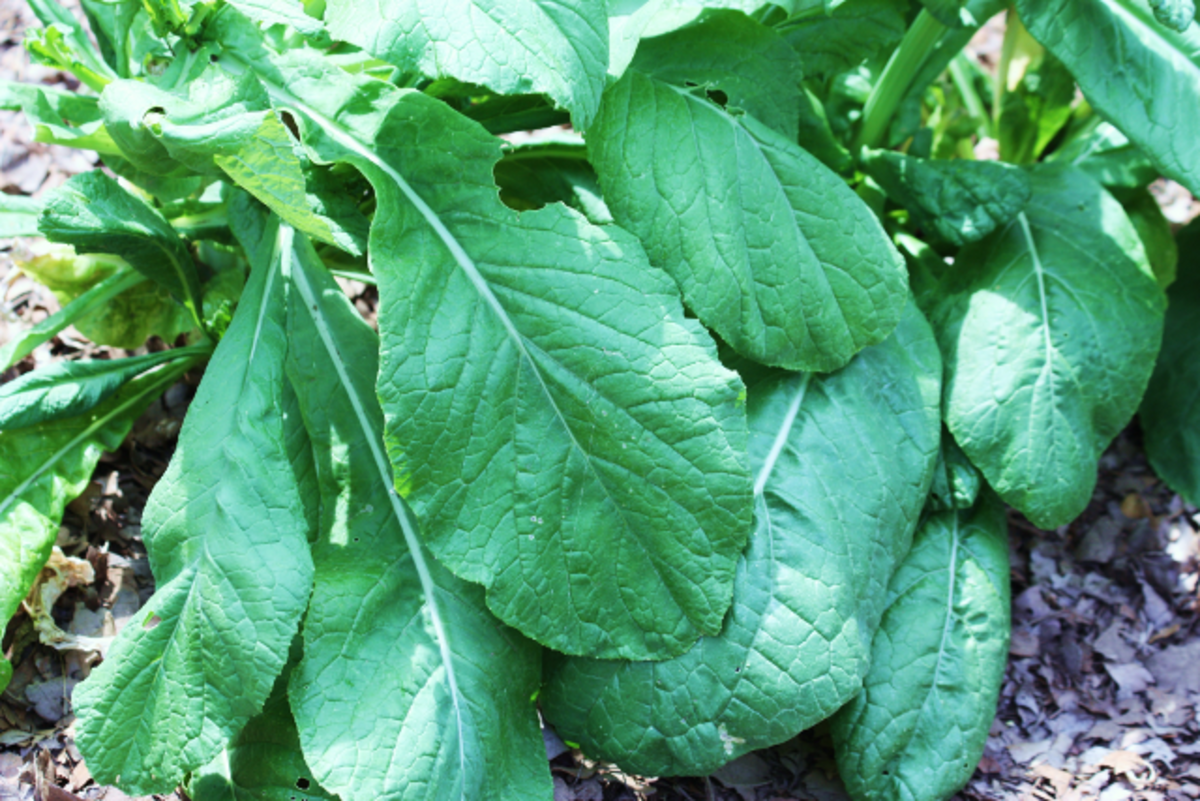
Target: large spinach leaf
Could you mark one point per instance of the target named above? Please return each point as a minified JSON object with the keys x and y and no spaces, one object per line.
{"x":227,"y":534}
{"x":564,"y":433}
{"x":917,"y":729}
{"x":1154,"y":98}
{"x":1049,"y":329}
{"x":554,"y":47}
{"x":398,"y":653}
{"x":843,"y":464}
{"x":770,"y":248}
{"x":44,"y":466}
{"x":1170,"y":412}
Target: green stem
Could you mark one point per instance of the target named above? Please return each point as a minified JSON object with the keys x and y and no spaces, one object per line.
{"x":966,"y":89}
{"x":1012,"y":34}
{"x":897,"y":77}
{"x":212,"y":224}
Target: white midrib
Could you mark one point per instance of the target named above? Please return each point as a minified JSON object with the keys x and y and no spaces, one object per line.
{"x":464,"y":261}
{"x":461,"y":257}
{"x":781,"y":436}
{"x":951,"y":582}
{"x":300,"y":279}
{"x":75,"y":442}
{"x":1040,"y":273}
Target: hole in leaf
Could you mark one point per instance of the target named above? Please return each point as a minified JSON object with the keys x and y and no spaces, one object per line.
{"x":290,"y":123}
{"x":153,"y":118}
{"x":151,"y":622}
{"x":303,"y":783}
{"x":718,"y":97}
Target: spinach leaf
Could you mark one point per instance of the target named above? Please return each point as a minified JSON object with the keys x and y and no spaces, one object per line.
{"x":67,"y":389}
{"x":553,"y":47}
{"x":1106,"y":154}
{"x":111,"y":23}
{"x":560,"y":471}
{"x":956,"y":482}
{"x":95,"y":214}
{"x":751,"y":226}
{"x":122,"y":313}
{"x":918,"y":727}
{"x":43,"y":467}
{"x":1049,"y":329}
{"x":1155,"y":97}
{"x":809,"y":590}
{"x":227,"y":534}
{"x":1154,"y":230}
{"x":263,"y":761}
{"x":1175,"y":14}
{"x":83,"y":306}
{"x":397,"y":651}
{"x":228,"y":127}
{"x":60,"y":117}
{"x":958,"y":201}
{"x":849,"y":34}
{"x":1169,"y":415}
{"x":729,"y":53}
{"x":18,"y":216}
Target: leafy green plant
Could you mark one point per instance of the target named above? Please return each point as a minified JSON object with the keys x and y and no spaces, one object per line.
{"x":688,"y":425}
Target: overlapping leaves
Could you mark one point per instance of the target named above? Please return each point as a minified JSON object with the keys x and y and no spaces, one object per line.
{"x":531,"y":369}
{"x":843,"y":464}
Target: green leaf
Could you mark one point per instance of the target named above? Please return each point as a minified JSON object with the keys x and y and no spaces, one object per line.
{"x":1175,"y":14}
{"x":816,"y":135}
{"x":846,"y":36}
{"x":83,"y":306}
{"x":227,"y":535}
{"x":843,"y":466}
{"x":953,"y":13}
{"x":67,"y":389}
{"x":1049,"y":332}
{"x":397,"y":651}
{"x":918,"y":728}
{"x":554,"y":47}
{"x":1154,"y":98}
{"x":530,"y":176}
{"x":1107,"y":155}
{"x":59,"y":117}
{"x":18,"y":216}
{"x":122,"y":320}
{"x":573,"y":367}
{"x":229,"y":125}
{"x":727,"y":52}
{"x":111,"y":22}
{"x":263,"y":762}
{"x":284,"y":12}
{"x":64,"y":44}
{"x":43,"y":467}
{"x":960,"y":201}
{"x":956,"y":482}
{"x":1154,"y":230}
{"x":95,"y":214}
{"x":1170,"y":415}
{"x":771,"y":249}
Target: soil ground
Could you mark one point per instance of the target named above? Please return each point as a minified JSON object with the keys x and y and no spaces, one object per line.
{"x":1099,"y":699}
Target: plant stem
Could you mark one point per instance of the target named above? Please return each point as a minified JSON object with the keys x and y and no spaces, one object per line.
{"x":1012,"y":33}
{"x":970,"y":97}
{"x":205,"y":225}
{"x":894,"y":83}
